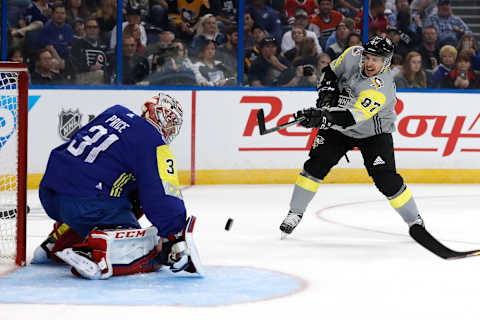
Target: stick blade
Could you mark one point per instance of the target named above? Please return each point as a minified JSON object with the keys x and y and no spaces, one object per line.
{"x":261,"y":122}
{"x":426,"y":240}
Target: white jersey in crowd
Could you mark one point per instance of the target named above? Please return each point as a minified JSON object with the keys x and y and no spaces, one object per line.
{"x":371,"y":100}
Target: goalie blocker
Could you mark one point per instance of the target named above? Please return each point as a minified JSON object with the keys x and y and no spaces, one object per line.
{"x":108,"y":253}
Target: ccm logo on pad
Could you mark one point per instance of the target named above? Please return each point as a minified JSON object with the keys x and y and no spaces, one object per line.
{"x":130,"y":234}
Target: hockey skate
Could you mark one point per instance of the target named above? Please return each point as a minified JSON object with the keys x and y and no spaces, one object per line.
{"x":291,"y":222}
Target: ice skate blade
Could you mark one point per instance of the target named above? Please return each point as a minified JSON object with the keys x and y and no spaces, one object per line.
{"x":283,"y":235}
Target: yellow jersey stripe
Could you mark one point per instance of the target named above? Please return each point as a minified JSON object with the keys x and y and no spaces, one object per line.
{"x":307,"y":184}
{"x":401,"y":199}
{"x":339,"y":60}
{"x":119,"y":183}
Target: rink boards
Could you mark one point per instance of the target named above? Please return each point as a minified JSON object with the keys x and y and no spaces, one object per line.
{"x":437,"y":138}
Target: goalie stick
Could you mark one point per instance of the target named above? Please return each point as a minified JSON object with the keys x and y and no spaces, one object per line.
{"x":426,"y":240}
{"x":10,"y":213}
{"x":264,"y":130}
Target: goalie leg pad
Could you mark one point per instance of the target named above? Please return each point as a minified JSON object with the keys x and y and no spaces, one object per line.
{"x":60,"y":238}
{"x":115,"y":252}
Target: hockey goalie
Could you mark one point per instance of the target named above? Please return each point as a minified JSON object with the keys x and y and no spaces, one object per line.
{"x":96,"y":186}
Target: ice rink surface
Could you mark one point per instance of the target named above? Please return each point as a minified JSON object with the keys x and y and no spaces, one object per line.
{"x":351,"y":254}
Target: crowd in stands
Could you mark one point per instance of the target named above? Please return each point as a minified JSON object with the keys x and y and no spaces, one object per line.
{"x":195,"y":42}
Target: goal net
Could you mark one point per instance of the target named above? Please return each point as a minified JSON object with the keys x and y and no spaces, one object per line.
{"x":13,"y":143}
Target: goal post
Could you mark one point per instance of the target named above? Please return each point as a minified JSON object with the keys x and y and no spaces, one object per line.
{"x":13,"y":161}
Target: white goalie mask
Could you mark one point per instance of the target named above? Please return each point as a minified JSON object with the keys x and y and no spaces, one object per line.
{"x":164,"y":113}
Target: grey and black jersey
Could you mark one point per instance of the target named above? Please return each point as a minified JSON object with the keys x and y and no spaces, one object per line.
{"x":371,"y":100}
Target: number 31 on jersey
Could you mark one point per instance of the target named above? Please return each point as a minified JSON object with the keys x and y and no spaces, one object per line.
{"x":167,"y":170}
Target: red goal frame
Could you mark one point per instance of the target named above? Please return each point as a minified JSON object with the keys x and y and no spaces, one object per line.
{"x":22,"y":121}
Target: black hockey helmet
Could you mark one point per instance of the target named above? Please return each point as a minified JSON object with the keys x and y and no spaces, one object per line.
{"x":382,"y":47}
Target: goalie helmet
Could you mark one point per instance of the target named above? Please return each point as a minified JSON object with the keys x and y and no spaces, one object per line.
{"x":381,"y":47}
{"x":165,"y":114}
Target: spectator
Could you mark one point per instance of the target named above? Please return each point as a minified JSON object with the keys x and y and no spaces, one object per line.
{"x":397,"y":64}
{"x":248,"y":24}
{"x":76,"y":9}
{"x":448,"y":55}
{"x":301,"y":20}
{"x":142,"y":5}
{"x":226,"y":12}
{"x":354,"y":39}
{"x":206,"y":29}
{"x":326,"y":20}
{"x":266,"y":17}
{"x":400,"y":6}
{"x":57,"y":36}
{"x":450,"y":27}
{"x":468,"y":43}
{"x":135,"y":67}
{"x":157,"y":52}
{"x":133,"y":30}
{"x":349,"y":8}
{"x":304,"y":65}
{"x":423,"y":8}
{"x":43,"y":75}
{"x":289,"y":7}
{"x":323,"y":60}
{"x":183,"y":15}
{"x":16,"y":55}
{"x":208,"y":71}
{"x":351,"y":27}
{"x":133,"y":17}
{"x":429,"y":48}
{"x":306,"y":54}
{"x":159,"y":14}
{"x":267,"y":69}
{"x":250,"y":56}
{"x":89,"y":56}
{"x":32,"y":19}
{"x":462,"y":76}
{"x":412,"y":75}
{"x":400,"y":47}
{"x":298,"y":34}
{"x":176,"y":69}
{"x":376,"y":20}
{"x":341,"y":34}
{"x":410,"y":28}
{"x":78,"y":29}
{"x":107,"y":15}
{"x":227,"y":52}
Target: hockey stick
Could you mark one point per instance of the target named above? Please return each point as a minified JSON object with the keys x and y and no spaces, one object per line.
{"x":426,"y":240}
{"x":7,"y":213}
{"x":263,"y":130}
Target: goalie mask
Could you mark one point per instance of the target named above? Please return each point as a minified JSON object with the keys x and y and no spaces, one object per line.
{"x":164,"y":113}
{"x":381,"y":47}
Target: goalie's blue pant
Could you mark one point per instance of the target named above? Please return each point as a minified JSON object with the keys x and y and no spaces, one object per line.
{"x":83,"y":214}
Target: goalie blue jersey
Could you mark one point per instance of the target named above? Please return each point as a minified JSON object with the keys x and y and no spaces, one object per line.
{"x":114,"y":154}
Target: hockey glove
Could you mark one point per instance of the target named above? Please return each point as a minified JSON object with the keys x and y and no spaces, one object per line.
{"x":314,"y":118}
{"x":327,"y":89}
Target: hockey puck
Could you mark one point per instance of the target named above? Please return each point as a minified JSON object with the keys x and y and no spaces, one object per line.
{"x":229,"y":223}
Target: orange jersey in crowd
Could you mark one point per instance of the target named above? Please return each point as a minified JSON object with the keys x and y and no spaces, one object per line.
{"x":326,"y":28}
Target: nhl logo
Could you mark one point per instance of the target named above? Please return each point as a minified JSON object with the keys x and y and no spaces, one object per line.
{"x":318,"y":141}
{"x":69,"y":122}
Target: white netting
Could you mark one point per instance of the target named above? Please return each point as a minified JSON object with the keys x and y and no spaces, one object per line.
{"x":8,"y":165}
